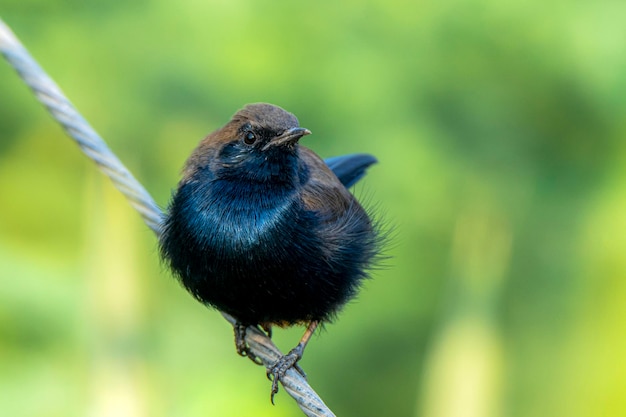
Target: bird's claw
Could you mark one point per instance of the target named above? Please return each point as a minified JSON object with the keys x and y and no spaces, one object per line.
{"x":277,"y":371}
{"x":242,"y":347}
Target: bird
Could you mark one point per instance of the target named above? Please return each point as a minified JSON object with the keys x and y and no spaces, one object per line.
{"x":263,"y":229}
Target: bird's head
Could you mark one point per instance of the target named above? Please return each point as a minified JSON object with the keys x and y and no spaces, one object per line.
{"x":259,"y":139}
{"x":264,"y":126}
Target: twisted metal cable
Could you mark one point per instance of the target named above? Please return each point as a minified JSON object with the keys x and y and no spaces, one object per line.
{"x":48,"y":93}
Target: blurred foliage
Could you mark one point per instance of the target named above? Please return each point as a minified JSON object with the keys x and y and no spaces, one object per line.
{"x":500,"y":131}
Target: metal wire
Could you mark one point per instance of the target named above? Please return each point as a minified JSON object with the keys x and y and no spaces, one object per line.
{"x":48,"y":93}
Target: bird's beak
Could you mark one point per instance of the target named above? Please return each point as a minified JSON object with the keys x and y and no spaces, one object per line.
{"x":288,"y":137}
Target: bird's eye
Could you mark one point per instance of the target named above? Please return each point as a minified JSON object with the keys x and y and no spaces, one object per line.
{"x":249,"y":138}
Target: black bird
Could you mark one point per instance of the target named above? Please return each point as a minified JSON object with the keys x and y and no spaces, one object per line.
{"x":263,"y":229}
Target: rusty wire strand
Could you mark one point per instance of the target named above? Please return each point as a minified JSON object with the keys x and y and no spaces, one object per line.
{"x":50,"y":95}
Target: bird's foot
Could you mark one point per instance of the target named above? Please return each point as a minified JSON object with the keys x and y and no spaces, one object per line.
{"x":280,"y":367}
{"x":240,"y":343}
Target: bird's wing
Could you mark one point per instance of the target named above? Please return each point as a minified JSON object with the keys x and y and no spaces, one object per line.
{"x":350,"y":168}
{"x":324,"y":192}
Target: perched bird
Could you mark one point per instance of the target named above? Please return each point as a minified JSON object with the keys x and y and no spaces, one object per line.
{"x":263,"y":229}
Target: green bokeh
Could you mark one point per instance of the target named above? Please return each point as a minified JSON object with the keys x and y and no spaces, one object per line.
{"x":500,"y":131}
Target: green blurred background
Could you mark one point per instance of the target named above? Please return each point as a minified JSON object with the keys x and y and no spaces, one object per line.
{"x":500,"y":131}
